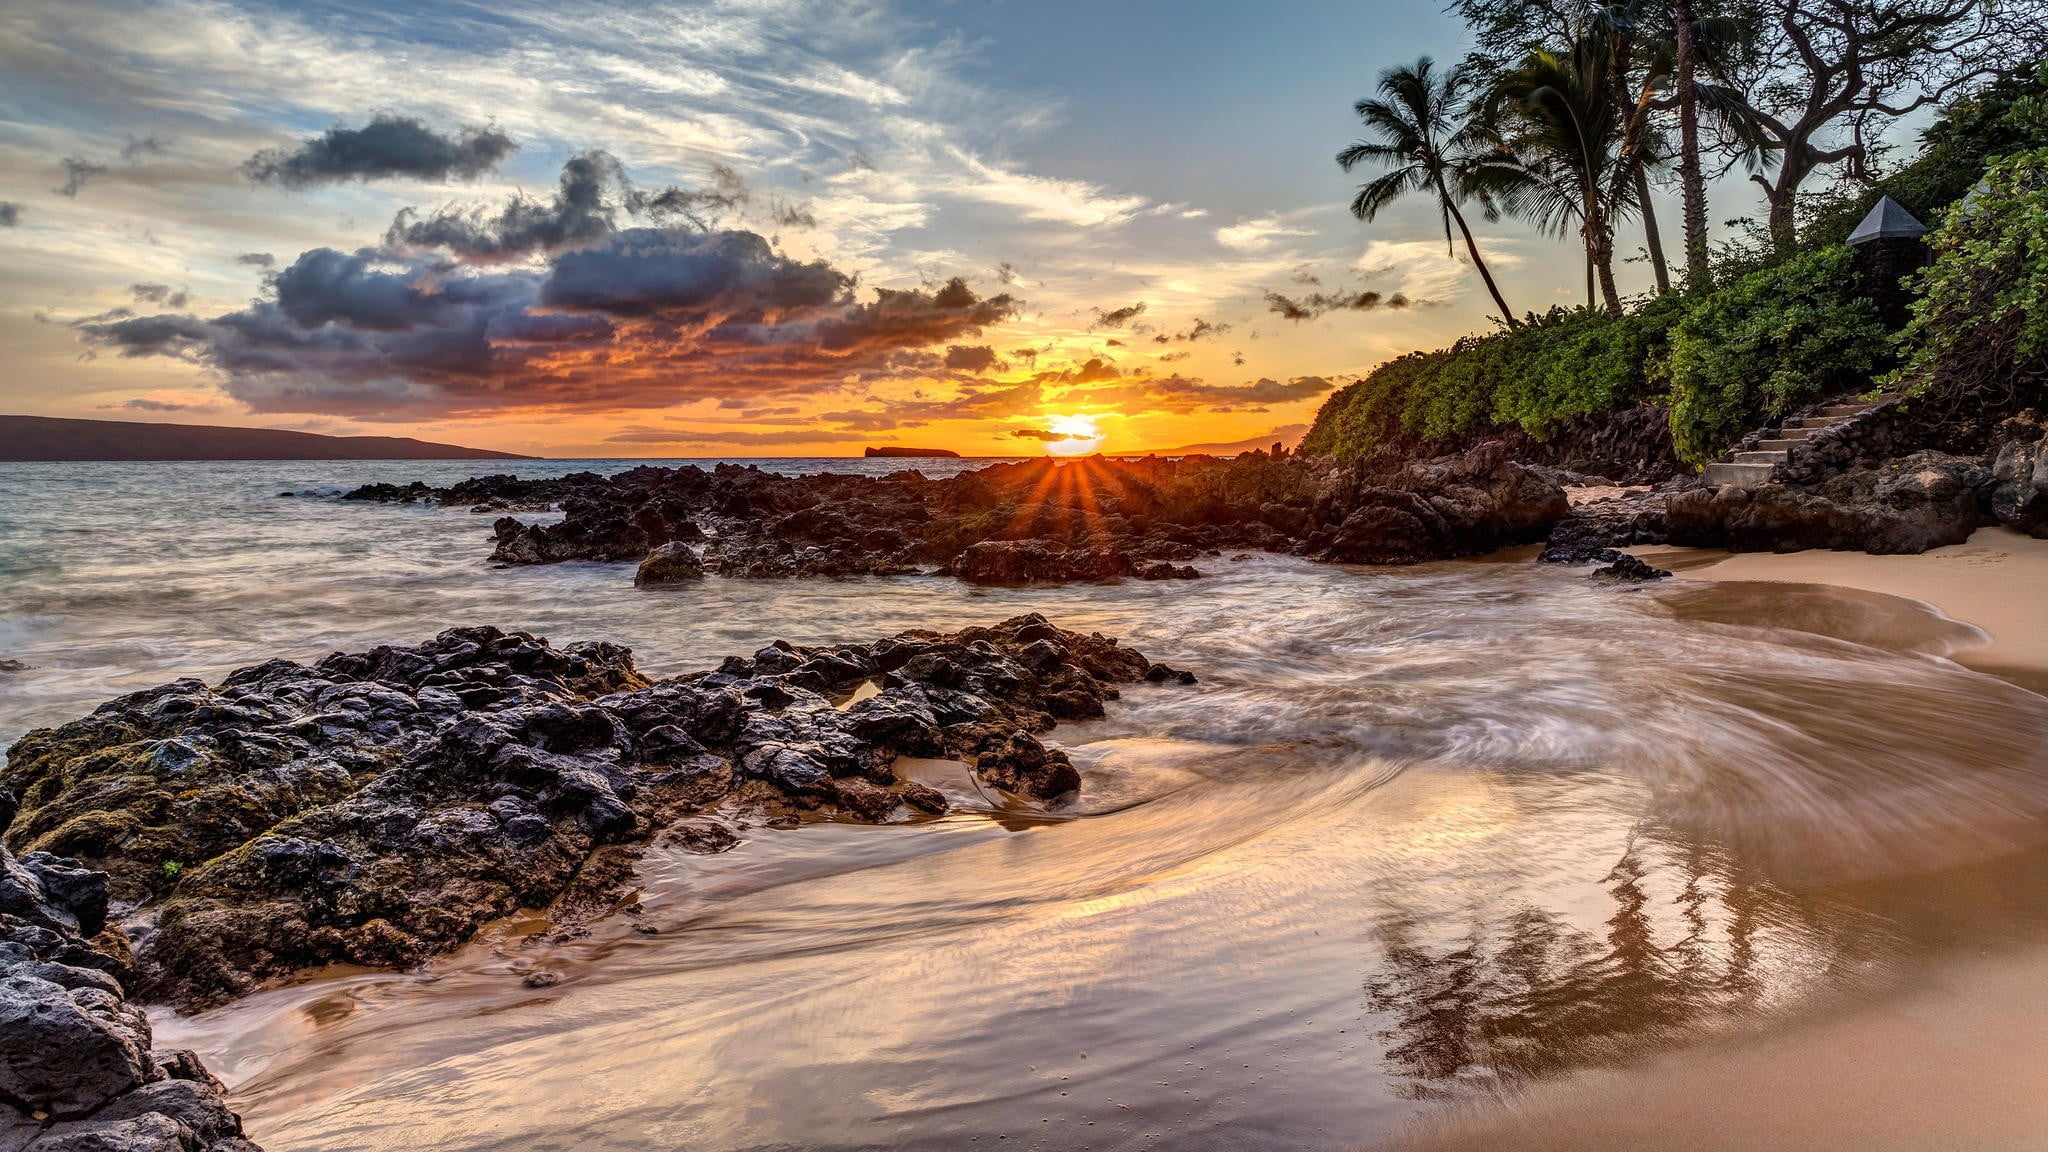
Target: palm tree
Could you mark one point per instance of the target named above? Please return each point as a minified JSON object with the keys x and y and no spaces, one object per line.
{"x":1417,"y":137}
{"x":1570,"y":148}
{"x":1692,"y":184}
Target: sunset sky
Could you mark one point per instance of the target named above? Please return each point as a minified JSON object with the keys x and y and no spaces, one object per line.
{"x":733,"y":229}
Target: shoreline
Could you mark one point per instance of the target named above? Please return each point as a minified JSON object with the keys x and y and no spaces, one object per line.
{"x":1982,"y":582}
{"x":1947,"y":1060}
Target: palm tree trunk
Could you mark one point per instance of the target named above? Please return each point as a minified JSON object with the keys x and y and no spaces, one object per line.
{"x":1600,"y":258}
{"x":1692,"y":184}
{"x":1472,"y":247}
{"x":1651,"y":237}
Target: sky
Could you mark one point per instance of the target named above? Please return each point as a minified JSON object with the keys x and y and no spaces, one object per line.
{"x":772,"y":228}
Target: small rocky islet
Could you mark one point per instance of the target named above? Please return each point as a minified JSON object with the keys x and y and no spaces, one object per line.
{"x":191,"y":843}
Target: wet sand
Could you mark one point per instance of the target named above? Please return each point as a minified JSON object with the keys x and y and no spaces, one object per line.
{"x":1997,"y":580}
{"x":1955,"y":1060}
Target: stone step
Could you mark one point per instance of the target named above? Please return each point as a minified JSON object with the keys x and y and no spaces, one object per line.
{"x":1780,"y":446}
{"x":1739,"y":475}
{"x":1815,"y":421}
{"x":1846,"y":409}
{"x":1792,"y":434}
{"x":1767,"y":456}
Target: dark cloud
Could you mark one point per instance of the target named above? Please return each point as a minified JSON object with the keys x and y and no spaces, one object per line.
{"x":971,"y":358}
{"x":1006,"y":273}
{"x":1095,"y":369}
{"x":10,"y":214}
{"x":388,"y":147}
{"x":869,"y":420}
{"x":1117,"y":318}
{"x":78,"y":173}
{"x":592,"y":195}
{"x":1043,"y":434}
{"x":654,"y":272}
{"x":787,"y":215}
{"x":145,"y":404}
{"x":1314,"y":304}
{"x":146,"y":146}
{"x":158,"y":294}
{"x":638,"y":318}
{"x":257,"y":259}
{"x":1197,"y":331}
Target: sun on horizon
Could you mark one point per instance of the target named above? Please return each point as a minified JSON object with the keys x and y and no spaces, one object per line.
{"x":1083,"y":435}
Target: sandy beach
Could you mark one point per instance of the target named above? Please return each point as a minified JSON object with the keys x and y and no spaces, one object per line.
{"x":1994,"y":581}
{"x":1952,"y":1062}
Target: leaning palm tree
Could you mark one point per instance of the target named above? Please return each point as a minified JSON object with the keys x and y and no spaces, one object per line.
{"x":1418,"y":138}
{"x":1569,"y":149}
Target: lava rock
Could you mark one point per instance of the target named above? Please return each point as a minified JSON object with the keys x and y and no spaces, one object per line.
{"x":669,"y":564}
{"x":377,"y":808}
{"x":1908,"y":505}
{"x":1042,"y":521}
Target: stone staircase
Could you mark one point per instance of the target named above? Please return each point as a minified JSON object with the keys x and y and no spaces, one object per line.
{"x":1758,"y":464}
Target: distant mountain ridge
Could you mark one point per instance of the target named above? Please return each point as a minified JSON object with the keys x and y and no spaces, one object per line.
{"x":49,"y":438}
{"x":1287,"y":434}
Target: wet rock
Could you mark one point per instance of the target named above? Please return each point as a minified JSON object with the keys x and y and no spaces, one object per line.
{"x":1021,"y":763}
{"x":1907,"y":505}
{"x":76,"y":1070}
{"x":925,"y":798}
{"x":668,"y":564}
{"x":68,"y":1050}
{"x":1034,"y":522}
{"x":1624,"y":568}
{"x":2019,"y":474}
{"x":149,"y":1132}
{"x":1030,"y":561}
{"x":865,"y":800}
{"x":376,"y":808}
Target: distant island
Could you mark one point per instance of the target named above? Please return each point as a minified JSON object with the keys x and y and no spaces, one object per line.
{"x":945,"y":453}
{"x":27,"y":438}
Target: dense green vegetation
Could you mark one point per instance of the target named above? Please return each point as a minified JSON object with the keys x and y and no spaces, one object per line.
{"x":1980,"y":322}
{"x":1773,"y":327}
{"x":1768,"y":343}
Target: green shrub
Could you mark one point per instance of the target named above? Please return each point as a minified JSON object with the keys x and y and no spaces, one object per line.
{"x":1563,"y":365}
{"x":1980,"y":318}
{"x":1766,"y":344}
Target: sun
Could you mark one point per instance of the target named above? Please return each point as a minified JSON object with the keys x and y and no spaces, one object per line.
{"x":1084,"y":435}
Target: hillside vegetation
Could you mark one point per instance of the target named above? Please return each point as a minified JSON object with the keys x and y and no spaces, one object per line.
{"x":1773,"y":327}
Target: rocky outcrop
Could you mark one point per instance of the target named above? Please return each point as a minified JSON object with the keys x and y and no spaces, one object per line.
{"x":1456,"y":506}
{"x":1594,"y":530}
{"x":1030,"y":561}
{"x":1907,"y":505}
{"x":2019,"y":474}
{"x":377,"y":808}
{"x":668,"y":564}
{"x":1045,"y":520}
{"x":78,"y":1069}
